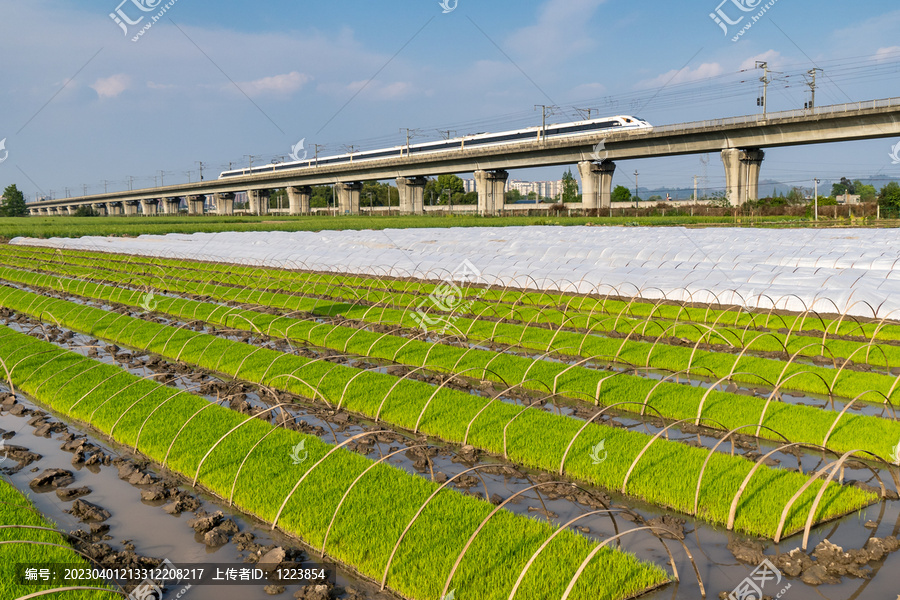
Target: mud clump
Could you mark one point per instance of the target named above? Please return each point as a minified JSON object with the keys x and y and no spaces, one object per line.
{"x":669,"y":527}
{"x":215,"y":529}
{"x":57,"y":478}
{"x":315,"y":592}
{"x":827,"y":564}
{"x":68,"y":494}
{"x":88,"y":512}
{"x":21,"y":455}
{"x":133,"y":475}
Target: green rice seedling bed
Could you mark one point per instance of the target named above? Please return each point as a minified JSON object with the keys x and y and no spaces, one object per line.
{"x":178,"y":429}
{"x":883,"y":355}
{"x":675,"y":401}
{"x":667,"y":474}
{"x":54,"y":549}
{"x":744,"y":368}
{"x":573,"y":304}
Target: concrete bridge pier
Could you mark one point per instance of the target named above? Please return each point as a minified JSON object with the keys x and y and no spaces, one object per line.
{"x":742,"y":174}
{"x":491,"y":187}
{"x":149,"y":207}
{"x":195,"y":204}
{"x":100,"y":209}
{"x":225,"y":203}
{"x":70,"y":210}
{"x":170,"y":206}
{"x":298,"y":199}
{"x":412,"y":195}
{"x":590,"y":184}
{"x":113,"y":208}
{"x":607,"y":170}
{"x":259,"y":201}
{"x":130,"y":207}
{"x":596,"y":184}
{"x":348,"y":197}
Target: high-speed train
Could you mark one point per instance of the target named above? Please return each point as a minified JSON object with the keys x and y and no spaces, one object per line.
{"x":481,"y":140}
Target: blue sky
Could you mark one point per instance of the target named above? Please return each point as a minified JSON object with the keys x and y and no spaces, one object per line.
{"x":81,"y":103}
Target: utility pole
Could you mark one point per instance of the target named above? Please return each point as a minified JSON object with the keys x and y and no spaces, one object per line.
{"x":765,"y":80}
{"x":317,"y":146}
{"x":587,"y":110}
{"x":410,"y":133}
{"x":816,"y":198}
{"x":84,"y":188}
{"x":448,"y":133}
{"x":130,"y":183}
{"x":162,"y":179}
{"x":251,"y":157}
{"x":350,"y":150}
{"x":695,"y":189}
{"x":105,"y":186}
{"x":635,"y":188}
{"x":67,"y":192}
{"x":544,"y":108}
{"x":200,"y":162}
{"x":811,"y":105}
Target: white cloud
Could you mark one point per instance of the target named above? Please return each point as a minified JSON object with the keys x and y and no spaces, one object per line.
{"x":588,"y":90}
{"x":112,"y":86}
{"x":770,"y":56}
{"x":682,"y":76}
{"x":372,"y":89}
{"x":563,"y":29}
{"x":888,"y":53}
{"x":281,"y":85}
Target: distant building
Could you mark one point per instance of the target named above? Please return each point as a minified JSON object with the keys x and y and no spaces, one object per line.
{"x":543,"y":189}
{"x":848,"y":198}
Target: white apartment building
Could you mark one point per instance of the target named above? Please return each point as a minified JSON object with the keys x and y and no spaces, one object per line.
{"x":543,"y":189}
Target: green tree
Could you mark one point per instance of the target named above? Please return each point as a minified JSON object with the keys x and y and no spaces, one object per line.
{"x":434,"y":189}
{"x":379,"y":194}
{"x":621,"y":194}
{"x":823,"y":201}
{"x":867,"y":193}
{"x":85,"y":210}
{"x":13,"y":203}
{"x":569,"y":187}
{"x":321,"y":196}
{"x":796,"y":196}
{"x":279,"y":199}
{"x":467,"y":198}
{"x":838,"y":189}
{"x":890,"y":195}
{"x":513,"y":196}
{"x":719,"y":200}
